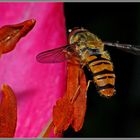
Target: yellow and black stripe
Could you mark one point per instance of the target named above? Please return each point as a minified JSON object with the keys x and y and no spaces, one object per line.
{"x":103,"y":74}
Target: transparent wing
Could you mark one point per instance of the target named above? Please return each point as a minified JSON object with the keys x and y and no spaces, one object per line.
{"x":134,"y":49}
{"x":56,"y":55}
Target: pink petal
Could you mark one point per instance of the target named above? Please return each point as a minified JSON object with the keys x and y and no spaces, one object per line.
{"x":37,"y":86}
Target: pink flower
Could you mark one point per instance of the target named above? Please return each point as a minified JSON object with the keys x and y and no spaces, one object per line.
{"x":36,"y":86}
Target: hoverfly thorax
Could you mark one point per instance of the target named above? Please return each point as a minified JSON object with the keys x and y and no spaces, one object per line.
{"x":86,"y":43}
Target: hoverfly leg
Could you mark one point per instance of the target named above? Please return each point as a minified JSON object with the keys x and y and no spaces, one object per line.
{"x":83,"y":64}
{"x":46,"y":131}
{"x":89,"y":81}
{"x":75,"y":94}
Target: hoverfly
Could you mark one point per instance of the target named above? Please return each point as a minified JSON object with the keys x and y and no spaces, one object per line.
{"x":87,"y":49}
{"x":84,"y":49}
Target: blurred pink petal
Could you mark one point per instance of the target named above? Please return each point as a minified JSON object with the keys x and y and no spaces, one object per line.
{"x":37,"y":86}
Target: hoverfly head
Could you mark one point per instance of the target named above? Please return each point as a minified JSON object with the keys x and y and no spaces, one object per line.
{"x":75,"y":35}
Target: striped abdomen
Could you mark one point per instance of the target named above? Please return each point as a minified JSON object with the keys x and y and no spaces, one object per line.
{"x":103,"y":74}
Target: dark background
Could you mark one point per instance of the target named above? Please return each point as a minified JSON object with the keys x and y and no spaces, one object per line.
{"x":120,"y":115}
